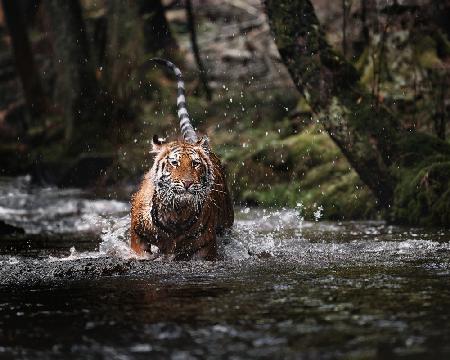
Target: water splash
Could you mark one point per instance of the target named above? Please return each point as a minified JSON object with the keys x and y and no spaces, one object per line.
{"x":257,"y":233}
{"x":318,"y":213}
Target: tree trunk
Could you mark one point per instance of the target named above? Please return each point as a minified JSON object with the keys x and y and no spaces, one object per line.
{"x":345,"y":11}
{"x":365,"y":32}
{"x":331,"y":85}
{"x":440,"y":115}
{"x":124,"y":45}
{"x":395,"y":164}
{"x":77,"y":90}
{"x":196,"y":50}
{"x":24,"y":59}
{"x":157,"y":34}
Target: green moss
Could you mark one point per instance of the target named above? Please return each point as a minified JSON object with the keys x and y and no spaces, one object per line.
{"x":276,"y":195}
{"x":305,"y":168}
{"x":303,"y":105}
{"x":418,"y":149}
{"x":341,"y":198}
{"x":426,"y":51}
{"x":365,"y":66}
{"x":422,"y":196}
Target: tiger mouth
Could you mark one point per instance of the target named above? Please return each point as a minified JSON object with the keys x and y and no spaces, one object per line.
{"x":193,"y":190}
{"x":184,"y":192}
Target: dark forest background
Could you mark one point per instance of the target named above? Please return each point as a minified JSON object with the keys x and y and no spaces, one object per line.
{"x":334,"y":107}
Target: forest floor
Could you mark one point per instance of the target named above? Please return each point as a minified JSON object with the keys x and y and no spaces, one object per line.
{"x":274,"y":152}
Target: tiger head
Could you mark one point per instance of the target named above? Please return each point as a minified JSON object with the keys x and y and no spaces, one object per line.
{"x":182,"y":172}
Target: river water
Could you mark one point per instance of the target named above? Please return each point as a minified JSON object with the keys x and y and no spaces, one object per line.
{"x":283,"y":288}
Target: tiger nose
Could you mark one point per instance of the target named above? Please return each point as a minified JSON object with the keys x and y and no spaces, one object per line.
{"x":187,"y":184}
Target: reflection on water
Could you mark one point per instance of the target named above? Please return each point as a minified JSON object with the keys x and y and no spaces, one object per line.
{"x":285,"y":288}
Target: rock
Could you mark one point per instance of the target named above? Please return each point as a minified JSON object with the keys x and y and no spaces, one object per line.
{"x":8,"y":229}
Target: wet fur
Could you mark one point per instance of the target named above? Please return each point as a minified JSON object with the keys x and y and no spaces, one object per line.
{"x":178,"y":224}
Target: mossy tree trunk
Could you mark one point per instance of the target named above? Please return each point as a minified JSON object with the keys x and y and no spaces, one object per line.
{"x":331,"y":86}
{"x":403,"y":169}
{"x":78,"y":92}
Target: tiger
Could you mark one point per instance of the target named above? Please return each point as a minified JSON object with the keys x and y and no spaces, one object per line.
{"x":183,"y":201}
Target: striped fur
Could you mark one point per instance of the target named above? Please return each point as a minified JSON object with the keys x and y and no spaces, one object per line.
{"x":186,"y":127}
{"x":182,"y":202}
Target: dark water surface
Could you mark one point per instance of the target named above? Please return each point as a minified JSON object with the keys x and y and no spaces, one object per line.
{"x":285,"y":288}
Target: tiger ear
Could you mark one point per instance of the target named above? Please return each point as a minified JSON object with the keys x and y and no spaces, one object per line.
{"x":204,"y":144}
{"x":157,"y":144}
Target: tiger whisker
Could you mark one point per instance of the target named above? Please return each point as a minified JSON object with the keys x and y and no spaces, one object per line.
{"x":218,"y":184}
{"x":219,"y":191}
{"x":217,"y":206}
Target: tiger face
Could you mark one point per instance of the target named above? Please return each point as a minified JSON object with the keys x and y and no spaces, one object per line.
{"x":182,"y":172}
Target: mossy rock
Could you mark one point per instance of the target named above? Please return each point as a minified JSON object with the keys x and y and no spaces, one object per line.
{"x":306,"y":169}
{"x":342,"y":198}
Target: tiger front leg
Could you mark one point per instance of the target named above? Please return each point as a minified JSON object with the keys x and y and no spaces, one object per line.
{"x":208,"y":247}
{"x":136,"y":244}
